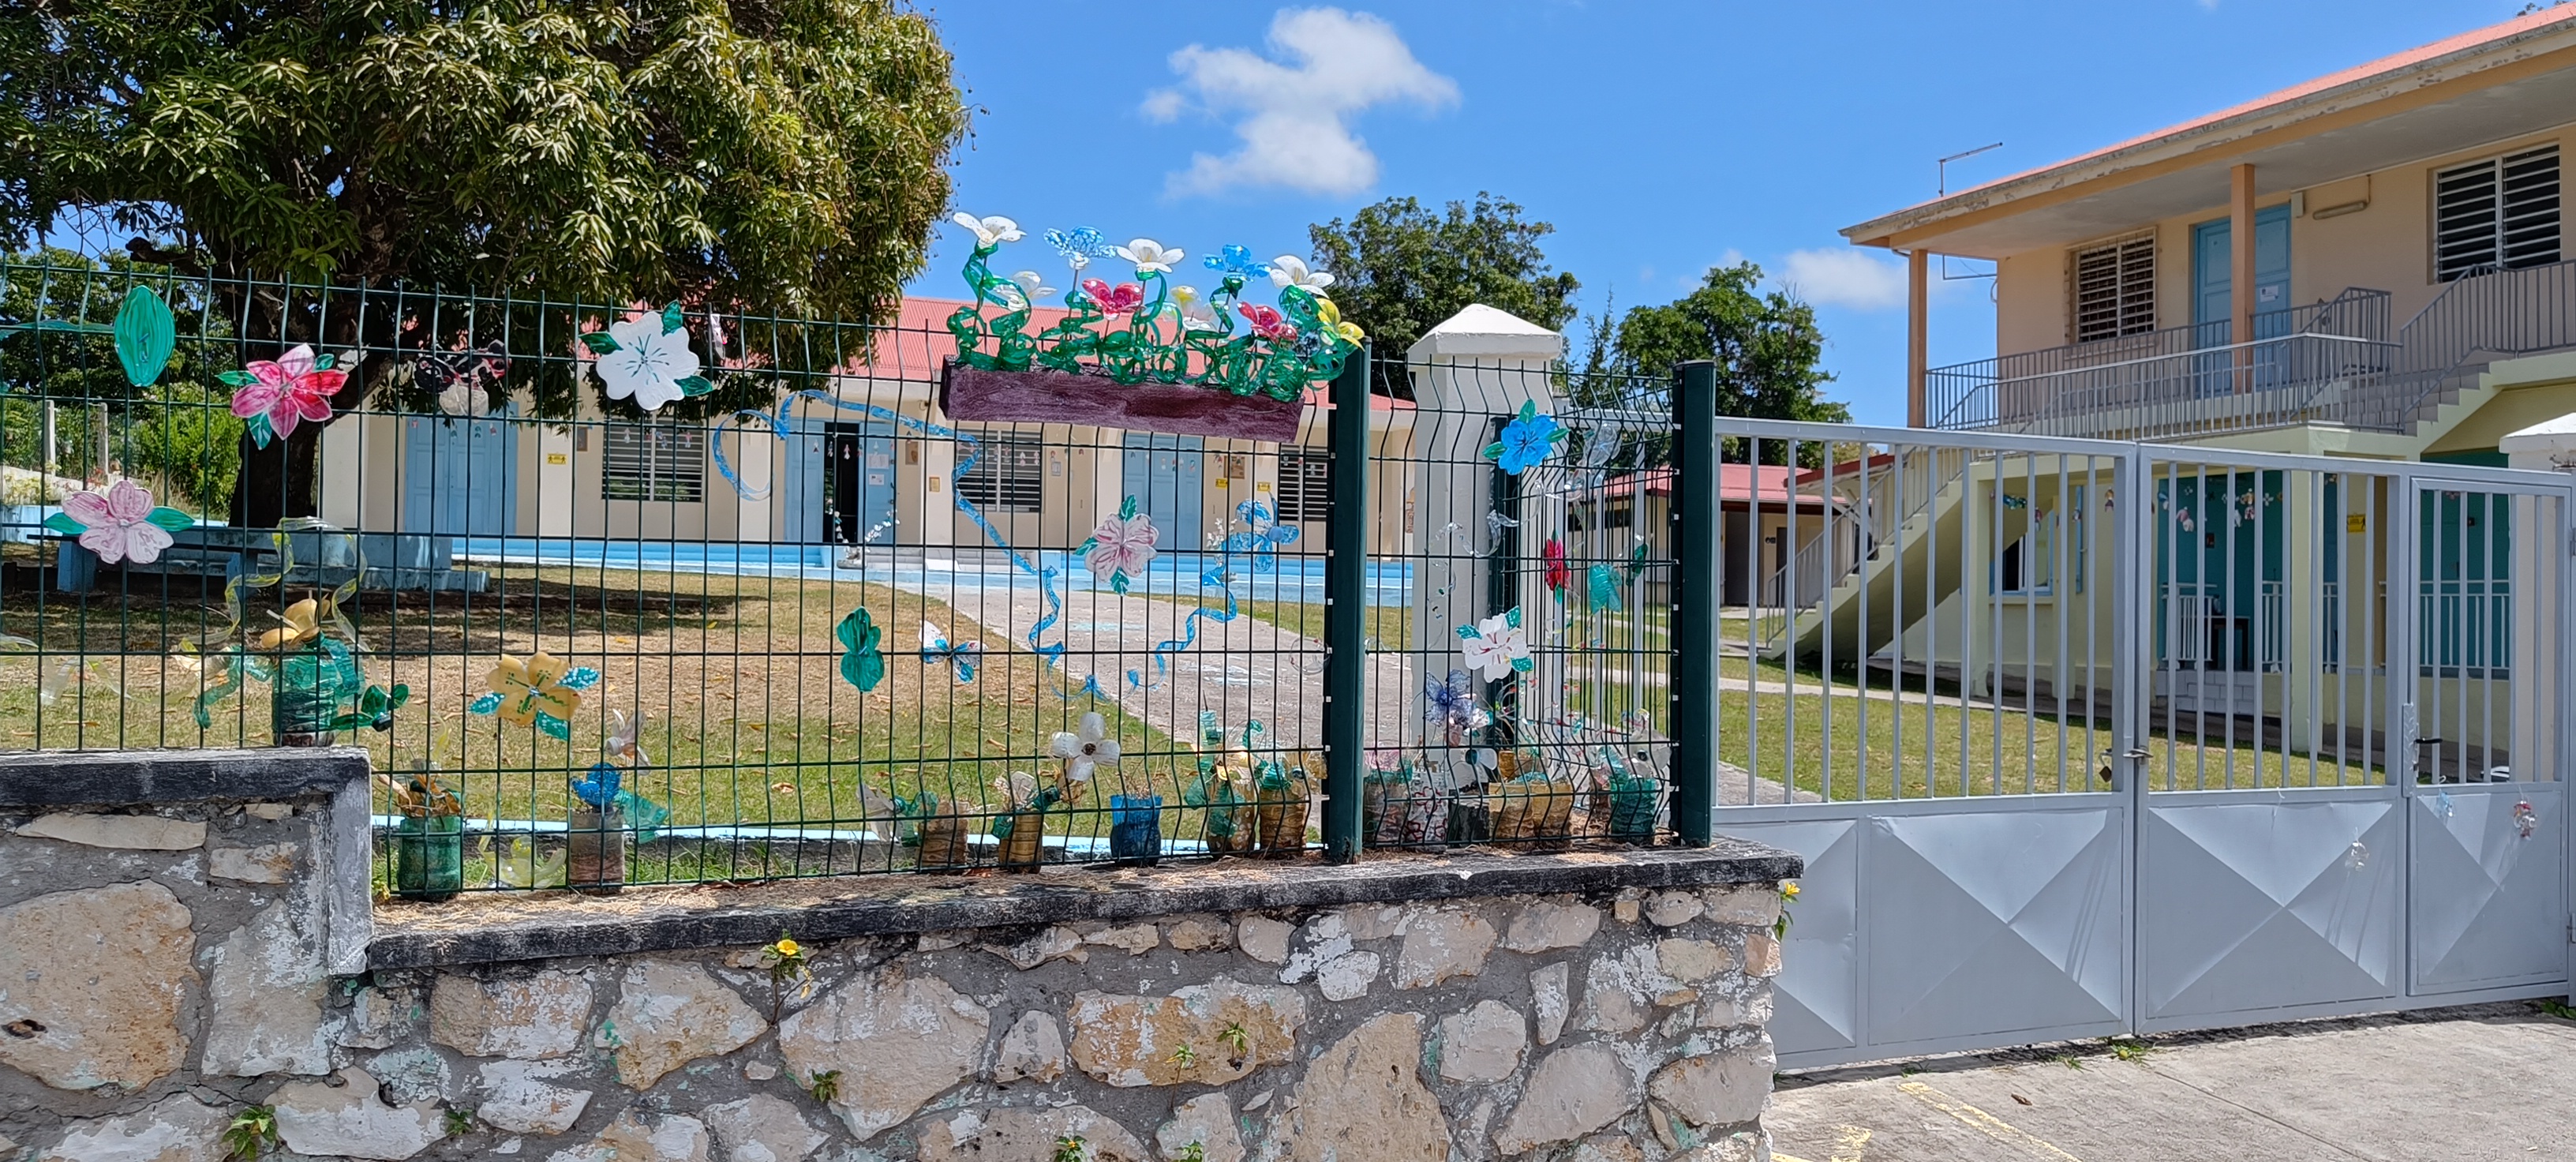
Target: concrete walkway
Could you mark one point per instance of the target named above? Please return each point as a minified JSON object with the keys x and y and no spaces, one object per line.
{"x":2480,"y":1084}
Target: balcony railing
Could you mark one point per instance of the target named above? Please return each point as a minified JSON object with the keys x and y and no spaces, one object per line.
{"x":2332,"y":363}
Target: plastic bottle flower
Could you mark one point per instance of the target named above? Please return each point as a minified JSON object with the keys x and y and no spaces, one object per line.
{"x":1122,"y":299}
{"x":1121,"y":548}
{"x":1198,"y":316}
{"x":1025,"y":287}
{"x":989,"y":232}
{"x":1560,"y":572}
{"x":121,"y":524}
{"x":1233,"y":259}
{"x":1266,"y":322}
{"x":1290,"y":270}
{"x":1084,"y":750}
{"x":1496,"y":647}
{"x":1526,"y":441}
{"x":1150,"y":257}
{"x":623,"y":738}
{"x":1331,"y":317}
{"x":541,"y":691}
{"x":647,"y":359}
{"x":302,"y":623}
{"x":1080,"y":246}
{"x":276,"y":396}
{"x":1451,"y":705}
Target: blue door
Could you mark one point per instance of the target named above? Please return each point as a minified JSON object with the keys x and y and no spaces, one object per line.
{"x":1162,"y":473}
{"x":459,"y":475}
{"x":2213,"y":301}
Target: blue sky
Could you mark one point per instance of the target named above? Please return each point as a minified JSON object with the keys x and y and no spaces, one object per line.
{"x":1658,"y":137}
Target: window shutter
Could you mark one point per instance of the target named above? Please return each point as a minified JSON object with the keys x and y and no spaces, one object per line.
{"x":1009,"y":475}
{"x":2497,"y":214}
{"x":653,"y":462}
{"x":1305,"y":486}
{"x":2115,"y":289}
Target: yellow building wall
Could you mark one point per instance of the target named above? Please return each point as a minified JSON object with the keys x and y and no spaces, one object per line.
{"x":2387,"y":246}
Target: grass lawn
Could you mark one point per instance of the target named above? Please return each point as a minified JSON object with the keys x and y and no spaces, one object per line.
{"x":748,"y":719}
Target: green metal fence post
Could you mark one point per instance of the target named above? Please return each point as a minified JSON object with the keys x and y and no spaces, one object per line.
{"x":1346,"y":548}
{"x":1695,"y":594}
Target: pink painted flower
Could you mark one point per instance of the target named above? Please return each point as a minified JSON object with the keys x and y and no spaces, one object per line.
{"x":119,"y":524}
{"x":1122,"y":299}
{"x":1266,"y":322}
{"x":294,"y":389}
{"x":1121,"y":548}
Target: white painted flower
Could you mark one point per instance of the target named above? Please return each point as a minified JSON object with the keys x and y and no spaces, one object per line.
{"x":1498,"y":647}
{"x":119,"y":523}
{"x":991,"y":231}
{"x":1085,"y":750}
{"x":1290,"y":270}
{"x":1032,"y":284}
{"x":649,"y":362}
{"x":1149,"y":256}
{"x":1198,"y":316}
{"x":1122,"y":547}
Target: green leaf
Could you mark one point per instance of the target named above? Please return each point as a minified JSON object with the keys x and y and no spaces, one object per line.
{"x":599,"y":342}
{"x":1127,"y":509}
{"x":63,"y":523}
{"x":237,"y":378}
{"x":861,"y":663}
{"x":145,"y":336}
{"x":696,"y":385}
{"x":325,"y":361}
{"x":672,"y":319}
{"x":171,"y":519}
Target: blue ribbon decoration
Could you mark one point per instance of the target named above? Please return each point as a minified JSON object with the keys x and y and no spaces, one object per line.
{"x":1216,"y":578}
{"x":781,"y":423}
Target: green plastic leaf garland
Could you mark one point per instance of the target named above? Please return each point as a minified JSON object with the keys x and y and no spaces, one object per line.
{"x":145,"y":336}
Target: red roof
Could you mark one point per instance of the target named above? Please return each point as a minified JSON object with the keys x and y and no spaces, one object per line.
{"x":1738,"y":483}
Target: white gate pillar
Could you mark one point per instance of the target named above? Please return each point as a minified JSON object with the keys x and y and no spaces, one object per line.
{"x":1478,"y":364}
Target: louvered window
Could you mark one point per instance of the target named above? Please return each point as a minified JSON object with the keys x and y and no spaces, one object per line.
{"x":1008,"y":475}
{"x":2497,"y":214}
{"x":1305,"y":486}
{"x":2115,"y":289}
{"x":653,"y":462}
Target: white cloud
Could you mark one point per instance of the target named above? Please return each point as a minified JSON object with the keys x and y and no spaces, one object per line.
{"x":1845,"y":278}
{"x":1293,"y":108}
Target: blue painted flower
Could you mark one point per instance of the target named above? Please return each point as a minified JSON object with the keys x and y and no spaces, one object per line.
{"x":1526,"y":441}
{"x":1236,"y":260}
{"x":1080,"y":246}
{"x":1450,"y":704}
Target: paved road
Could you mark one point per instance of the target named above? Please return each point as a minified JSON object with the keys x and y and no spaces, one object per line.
{"x":2479,"y":1084}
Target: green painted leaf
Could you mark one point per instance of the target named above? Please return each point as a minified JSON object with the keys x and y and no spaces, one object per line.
{"x":862,"y":665}
{"x":325,"y":361}
{"x":1127,"y":509}
{"x":672,"y":319}
{"x":696,"y":385}
{"x":63,"y":523}
{"x":237,"y":378}
{"x":171,"y":519}
{"x":145,"y":336}
{"x":599,"y":342}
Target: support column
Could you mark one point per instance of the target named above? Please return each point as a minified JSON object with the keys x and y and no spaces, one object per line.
{"x":1918,"y":337}
{"x":1698,"y":584}
{"x":1346,"y":612}
{"x":2240,"y":277}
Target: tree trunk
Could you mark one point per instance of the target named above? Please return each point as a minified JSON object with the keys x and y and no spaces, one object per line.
{"x":277,"y":482}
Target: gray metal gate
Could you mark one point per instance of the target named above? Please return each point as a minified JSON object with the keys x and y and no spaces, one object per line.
{"x":2083,"y":738}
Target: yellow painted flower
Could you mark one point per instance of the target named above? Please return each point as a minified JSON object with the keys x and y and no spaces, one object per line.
{"x":303,"y":624}
{"x":1331,"y":317}
{"x":532,"y":687}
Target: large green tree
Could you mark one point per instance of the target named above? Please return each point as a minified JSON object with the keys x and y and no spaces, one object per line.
{"x":1401,"y":268}
{"x":1766,"y":345}
{"x":776,"y":156}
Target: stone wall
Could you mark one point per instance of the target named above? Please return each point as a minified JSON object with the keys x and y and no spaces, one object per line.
{"x":164,"y":968}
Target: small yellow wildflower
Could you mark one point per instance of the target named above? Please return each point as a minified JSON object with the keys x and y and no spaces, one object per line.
{"x":787,"y":948}
{"x":1789,"y":890}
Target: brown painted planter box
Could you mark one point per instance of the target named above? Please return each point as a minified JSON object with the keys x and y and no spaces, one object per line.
{"x":1055,"y":397}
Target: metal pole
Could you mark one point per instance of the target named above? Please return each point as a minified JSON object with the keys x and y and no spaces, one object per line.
{"x":1696,"y":577}
{"x":1346,"y":544}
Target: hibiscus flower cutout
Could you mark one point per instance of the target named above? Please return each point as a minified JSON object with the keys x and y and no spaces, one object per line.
{"x":1121,"y":548}
{"x":276,"y":396}
{"x":1560,"y":572}
{"x":1122,"y":299}
{"x":647,"y":359}
{"x":1496,"y":647}
{"x":1526,"y":441}
{"x":1266,"y":322}
{"x":541,"y":691}
{"x":121,"y":524}
{"x":1086,"y":749}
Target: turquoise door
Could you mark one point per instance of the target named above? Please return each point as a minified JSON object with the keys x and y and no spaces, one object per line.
{"x":1163,"y":473}
{"x":458,"y":475}
{"x":2213,"y":303}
